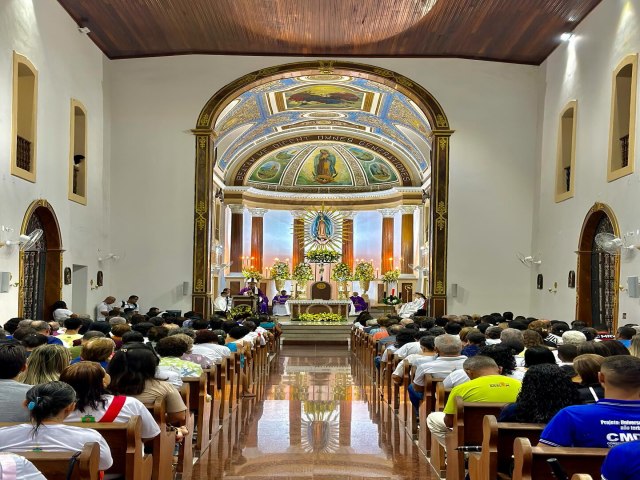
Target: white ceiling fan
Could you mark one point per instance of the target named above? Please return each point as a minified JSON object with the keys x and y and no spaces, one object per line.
{"x":609,"y":243}
{"x":528,"y":260}
{"x":24,"y":242}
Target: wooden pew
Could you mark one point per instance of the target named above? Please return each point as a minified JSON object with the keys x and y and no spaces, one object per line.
{"x":222,"y":394}
{"x":427,"y":406}
{"x":437,"y":451}
{"x":467,"y":430}
{"x":200,"y":403}
{"x":497,"y":446}
{"x":164,"y":444}
{"x":125,"y":443}
{"x":55,"y":465}
{"x":530,"y":463}
{"x":185,"y":449}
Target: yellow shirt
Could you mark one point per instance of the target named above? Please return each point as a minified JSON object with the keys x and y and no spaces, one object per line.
{"x":68,"y":339}
{"x":489,"y":388}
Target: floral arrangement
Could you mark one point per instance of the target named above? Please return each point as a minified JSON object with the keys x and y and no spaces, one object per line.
{"x":391,"y":300}
{"x":302,"y":273}
{"x":239,"y":310}
{"x":252,"y":272}
{"x":364,"y":271}
{"x":341,"y":273}
{"x":391,"y":276}
{"x":280,"y":271}
{"x":322,"y":255}
{"x":321,"y":317}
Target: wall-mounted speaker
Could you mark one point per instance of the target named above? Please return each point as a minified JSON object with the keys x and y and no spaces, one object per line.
{"x":185,"y":288}
{"x":454,"y":290}
{"x":5,"y":278}
{"x":633,"y":287}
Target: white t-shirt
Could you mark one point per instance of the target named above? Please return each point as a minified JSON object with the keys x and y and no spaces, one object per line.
{"x":61,"y":314}
{"x":132,"y":406}
{"x":53,"y":438}
{"x":24,"y":469}
{"x":222,"y":304}
{"x":212,"y":351}
{"x":168,"y":374}
{"x":408,"y":349}
{"x":440,"y":367}
{"x":103,"y":307}
{"x":413,"y":359}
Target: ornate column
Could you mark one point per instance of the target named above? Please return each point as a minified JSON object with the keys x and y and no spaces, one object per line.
{"x":201,"y":299}
{"x":257,"y":236}
{"x":235,"y":247}
{"x":439,"y":222}
{"x":297,"y":255}
{"x":386,"y":263}
{"x":406,"y":239}
{"x":347,"y":237}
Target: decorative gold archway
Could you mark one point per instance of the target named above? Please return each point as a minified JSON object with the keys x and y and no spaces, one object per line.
{"x":585,"y":248}
{"x":53,"y":263}
{"x":205,"y":190}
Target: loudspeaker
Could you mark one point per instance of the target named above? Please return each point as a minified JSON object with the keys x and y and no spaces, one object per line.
{"x":454,"y":290}
{"x":633,"y":287}
{"x":5,"y":278}
{"x":185,"y":288}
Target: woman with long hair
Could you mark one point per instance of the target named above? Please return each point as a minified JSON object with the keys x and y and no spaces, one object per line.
{"x":634,"y":349}
{"x":49,"y":404}
{"x":94,"y":403}
{"x":546,"y":389}
{"x":45,"y":364}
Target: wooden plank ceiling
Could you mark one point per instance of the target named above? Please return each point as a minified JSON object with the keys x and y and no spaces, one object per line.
{"x":520,"y":31}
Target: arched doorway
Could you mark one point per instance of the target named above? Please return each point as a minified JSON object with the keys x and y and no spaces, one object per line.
{"x":205,"y":219}
{"x":40,"y":268}
{"x":598,"y":271}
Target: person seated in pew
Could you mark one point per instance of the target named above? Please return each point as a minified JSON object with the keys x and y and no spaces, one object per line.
{"x":236,"y":343}
{"x":98,"y":350}
{"x":501,"y":353}
{"x":486,"y":385}
{"x":133,"y":373}
{"x":546,"y":389}
{"x":413,"y":346}
{"x":45,"y":364}
{"x":94,"y":403}
{"x":75,"y":351}
{"x":473,"y":342}
{"x":201,"y":360}
{"x":253,"y":336}
{"x":14,"y":466}
{"x":428,"y":354}
{"x":171,"y":349}
{"x":207,"y":343}
{"x":587,"y":367}
{"x":448,"y":348}
{"x":13,"y":361}
{"x":49,"y":404}
{"x":71,"y":325}
{"x":608,"y":422}
{"x":622,"y":462}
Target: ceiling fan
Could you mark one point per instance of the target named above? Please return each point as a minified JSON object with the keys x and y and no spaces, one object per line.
{"x":25,"y":242}
{"x":528,"y":260}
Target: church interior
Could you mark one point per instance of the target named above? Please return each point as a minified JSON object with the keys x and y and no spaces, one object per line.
{"x":319,"y":173}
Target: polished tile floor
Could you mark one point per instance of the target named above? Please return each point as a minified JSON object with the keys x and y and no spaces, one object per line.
{"x":314,"y":423}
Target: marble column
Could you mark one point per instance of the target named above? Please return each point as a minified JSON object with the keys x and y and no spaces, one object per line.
{"x":257,"y":236}
{"x":406,"y":239}
{"x":347,"y":237}
{"x":297,"y":255}
{"x":388,"y":215}
{"x":236,"y":240}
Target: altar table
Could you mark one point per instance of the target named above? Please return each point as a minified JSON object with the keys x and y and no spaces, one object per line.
{"x":298,"y":307}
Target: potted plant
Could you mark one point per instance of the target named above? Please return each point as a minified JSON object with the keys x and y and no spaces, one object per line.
{"x":341,"y":274}
{"x":280,"y":273}
{"x":302,"y":273}
{"x":251,"y":272}
{"x":364,"y":273}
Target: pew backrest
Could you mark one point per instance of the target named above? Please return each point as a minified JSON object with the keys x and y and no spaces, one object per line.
{"x":55,"y":465}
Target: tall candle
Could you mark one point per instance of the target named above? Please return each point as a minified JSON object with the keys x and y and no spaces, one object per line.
{"x":393,"y":291}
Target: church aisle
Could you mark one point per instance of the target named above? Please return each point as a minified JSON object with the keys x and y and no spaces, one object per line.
{"x":314,"y":423}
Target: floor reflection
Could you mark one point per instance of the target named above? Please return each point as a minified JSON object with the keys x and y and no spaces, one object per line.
{"x":314,"y":423}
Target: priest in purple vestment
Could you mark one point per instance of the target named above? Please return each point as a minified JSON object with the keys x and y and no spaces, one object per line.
{"x":252,"y":290}
{"x":279,"y":302}
{"x":359,"y":303}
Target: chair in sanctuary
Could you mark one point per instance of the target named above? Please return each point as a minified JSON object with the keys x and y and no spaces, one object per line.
{"x":321,"y":291}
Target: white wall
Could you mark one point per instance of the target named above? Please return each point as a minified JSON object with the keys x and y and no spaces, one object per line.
{"x":582,"y":70}
{"x":69,"y":66}
{"x":493,"y":108}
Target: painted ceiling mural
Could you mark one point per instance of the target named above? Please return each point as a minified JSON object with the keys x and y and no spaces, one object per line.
{"x":323,"y":165}
{"x":323,"y":102}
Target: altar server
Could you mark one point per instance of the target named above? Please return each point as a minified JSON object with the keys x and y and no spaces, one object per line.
{"x":252,"y":290}
{"x":222,"y":304}
{"x":281,"y":305}
{"x":411,"y":308}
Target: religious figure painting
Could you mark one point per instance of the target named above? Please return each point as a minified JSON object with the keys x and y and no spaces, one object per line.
{"x":324,"y":97}
{"x":361,"y":154}
{"x":271,"y":169}
{"x":321,"y":228}
{"x":380,"y":172}
{"x":324,"y":166}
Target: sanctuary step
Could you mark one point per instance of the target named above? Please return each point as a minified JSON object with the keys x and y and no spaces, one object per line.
{"x":311,"y":332}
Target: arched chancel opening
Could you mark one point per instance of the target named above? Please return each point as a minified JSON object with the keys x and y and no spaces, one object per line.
{"x":205,"y":189}
{"x":40,"y":268}
{"x":598,"y":272}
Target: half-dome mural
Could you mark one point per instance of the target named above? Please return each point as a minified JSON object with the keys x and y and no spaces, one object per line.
{"x":323,"y":165}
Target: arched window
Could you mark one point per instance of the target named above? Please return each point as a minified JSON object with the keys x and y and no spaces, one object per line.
{"x":78,"y":154}
{"x":623,"y":119}
{"x":24,"y":109}
{"x":566,"y":156}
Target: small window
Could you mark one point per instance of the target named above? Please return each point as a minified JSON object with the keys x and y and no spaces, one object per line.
{"x":566,"y":157}
{"x":623,"y":119}
{"x":25,"y":100}
{"x":78,"y":154}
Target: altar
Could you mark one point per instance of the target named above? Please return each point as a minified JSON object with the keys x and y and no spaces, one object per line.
{"x":298,"y":307}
